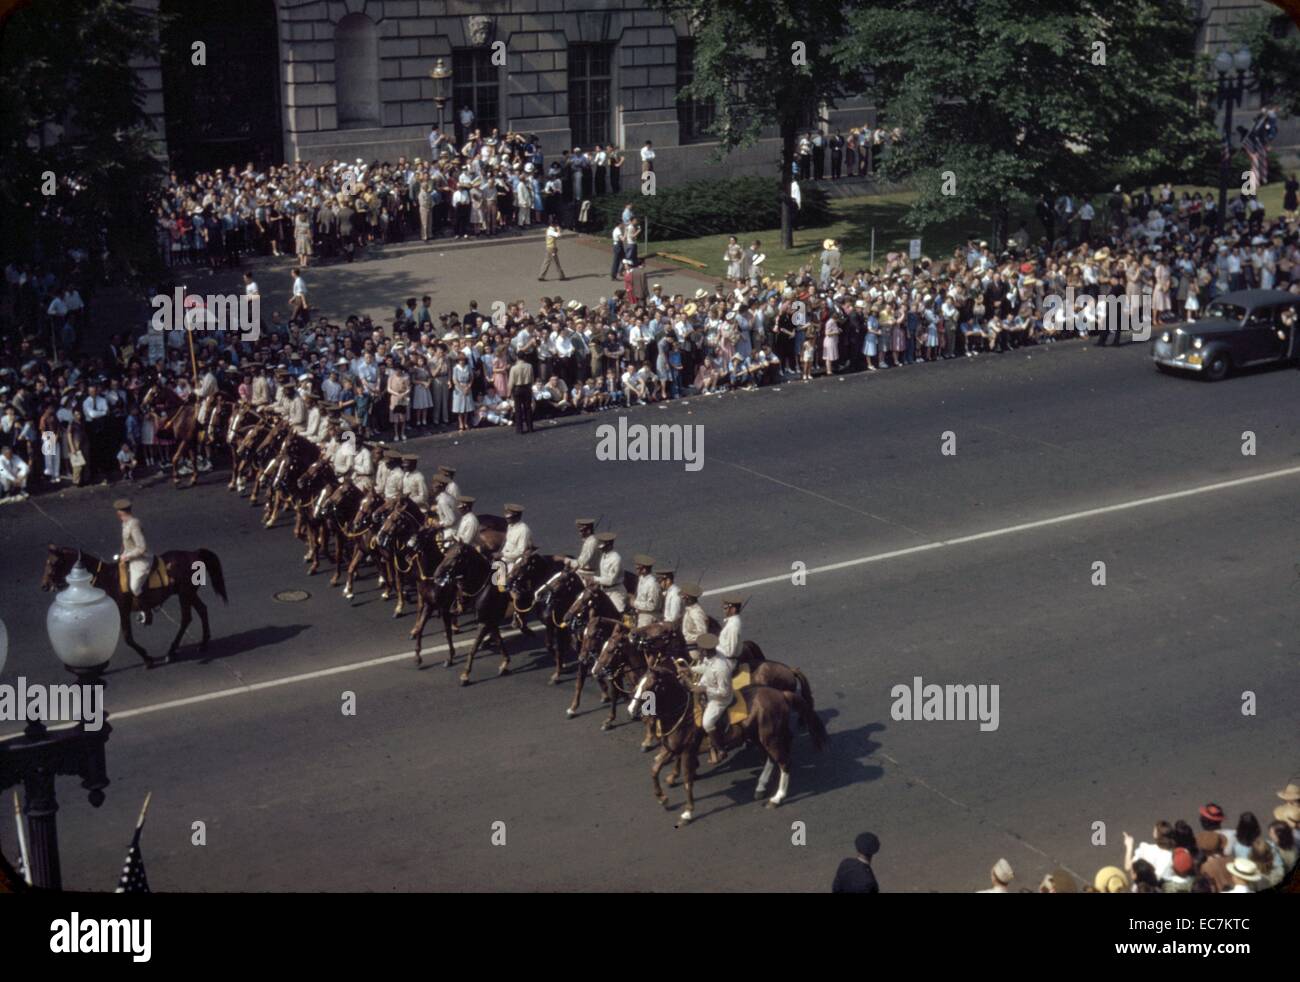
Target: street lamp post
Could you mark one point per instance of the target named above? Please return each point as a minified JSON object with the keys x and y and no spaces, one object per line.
{"x":83,"y":626}
{"x":1231,"y":92}
{"x":441,"y":76}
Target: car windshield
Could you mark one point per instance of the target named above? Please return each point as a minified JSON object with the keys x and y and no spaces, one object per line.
{"x":1226,"y":311}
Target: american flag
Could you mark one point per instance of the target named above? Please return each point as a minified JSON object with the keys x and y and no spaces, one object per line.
{"x":133,"y":879}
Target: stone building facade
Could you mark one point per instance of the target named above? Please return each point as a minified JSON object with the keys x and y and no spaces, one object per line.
{"x":354,"y":79}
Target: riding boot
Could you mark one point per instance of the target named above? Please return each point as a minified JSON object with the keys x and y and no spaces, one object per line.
{"x":146,"y":614}
{"x":718,"y":752}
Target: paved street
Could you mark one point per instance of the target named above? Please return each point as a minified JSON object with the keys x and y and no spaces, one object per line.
{"x":1118,"y":704}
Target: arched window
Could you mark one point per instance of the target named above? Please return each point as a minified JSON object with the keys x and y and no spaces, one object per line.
{"x":356,"y":71}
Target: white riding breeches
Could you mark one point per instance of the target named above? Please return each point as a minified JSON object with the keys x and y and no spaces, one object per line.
{"x":713,"y":712}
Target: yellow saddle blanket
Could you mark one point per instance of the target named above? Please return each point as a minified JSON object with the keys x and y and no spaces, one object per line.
{"x":738,"y":710}
{"x":158,"y":577}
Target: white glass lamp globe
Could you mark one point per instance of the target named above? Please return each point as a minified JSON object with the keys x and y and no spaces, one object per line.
{"x":1242,"y":60}
{"x":1223,"y":62}
{"x":83,"y":623}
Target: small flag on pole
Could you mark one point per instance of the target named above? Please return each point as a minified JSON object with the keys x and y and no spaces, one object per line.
{"x":133,"y":879}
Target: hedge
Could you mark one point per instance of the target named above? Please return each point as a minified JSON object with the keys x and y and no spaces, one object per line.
{"x":713,"y":207}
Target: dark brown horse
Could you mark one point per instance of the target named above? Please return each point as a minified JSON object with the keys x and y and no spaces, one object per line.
{"x":182,"y":569}
{"x":181,"y":420}
{"x":545,"y":587}
{"x":767,"y":725}
{"x":626,"y":656}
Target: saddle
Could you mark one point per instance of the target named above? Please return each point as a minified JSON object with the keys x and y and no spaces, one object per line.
{"x":157,"y":579}
{"x":738,"y":711}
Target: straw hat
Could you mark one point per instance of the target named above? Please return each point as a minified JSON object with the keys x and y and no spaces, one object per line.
{"x":828,"y":244}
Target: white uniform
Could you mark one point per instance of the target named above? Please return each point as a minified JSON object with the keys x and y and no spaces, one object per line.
{"x":207,"y":388}
{"x":672,"y":605}
{"x":518,"y":540}
{"x":649,"y":595}
{"x":136,"y":552}
{"x":416,"y":488}
{"x":467,"y":530}
{"x":729,"y":640}
{"x":344,"y":457}
{"x":393,"y":485}
{"x":296,"y":414}
{"x":586,"y":556}
{"x":610,"y":578}
{"x":315,"y":424}
{"x":363,"y":469}
{"x":694,"y":623}
{"x":715,"y":676}
{"x":446,"y":509}
{"x":453,"y":489}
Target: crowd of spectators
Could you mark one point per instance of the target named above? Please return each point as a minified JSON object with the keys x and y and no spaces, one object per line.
{"x":72,"y":412}
{"x":480,"y":184}
{"x":1214,"y":857}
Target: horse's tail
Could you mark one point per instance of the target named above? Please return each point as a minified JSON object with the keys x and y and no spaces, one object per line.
{"x":213,"y":564}
{"x":810,"y":719}
{"x":805,"y":690}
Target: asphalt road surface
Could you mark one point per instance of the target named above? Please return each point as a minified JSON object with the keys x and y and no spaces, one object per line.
{"x":1118,"y":704}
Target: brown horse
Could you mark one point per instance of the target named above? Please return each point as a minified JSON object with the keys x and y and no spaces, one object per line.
{"x":767,"y":725}
{"x":181,"y":419}
{"x":181,"y":568}
{"x":627,"y":655}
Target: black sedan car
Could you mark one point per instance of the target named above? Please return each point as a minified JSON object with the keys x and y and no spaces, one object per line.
{"x":1239,"y":329}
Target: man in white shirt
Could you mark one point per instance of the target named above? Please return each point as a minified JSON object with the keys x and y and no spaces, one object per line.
{"x":519,"y":542}
{"x":468,"y":527}
{"x":647,"y":158}
{"x":1001,"y":875}
{"x":730,"y":641}
{"x":609,"y":575}
{"x":672,"y":596}
{"x":553,"y":234}
{"x":714,"y":684}
{"x":648,"y":595}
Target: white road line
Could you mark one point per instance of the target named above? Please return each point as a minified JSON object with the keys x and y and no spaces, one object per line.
{"x":1011,"y":529}
{"x":783,"y":578}
{"x":287,"y":680}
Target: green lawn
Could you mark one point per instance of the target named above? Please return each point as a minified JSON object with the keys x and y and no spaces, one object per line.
{"x":854,"y":220}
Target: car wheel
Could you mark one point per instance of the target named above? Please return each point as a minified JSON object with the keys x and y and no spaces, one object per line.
{"x":1216,"y":369}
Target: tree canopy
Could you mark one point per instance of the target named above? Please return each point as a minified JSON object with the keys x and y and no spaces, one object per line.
{"x":72,"y":121}
{"x":1000,"y":101}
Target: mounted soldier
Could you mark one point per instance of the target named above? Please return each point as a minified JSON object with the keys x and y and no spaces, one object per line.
{"x":519,"y":541}
{"x":730,"y":640}
{"x":649,"y":597}
{"x":695,"y":621}
{"x":449,"y":473}
{"x":414,"y":487}
{"x":672,"y":597}
{"x":135,"y":557}
{"x":713,"y":681}
{"x":609,"y":575}
{"x":468,"y":527}
{"x":444,"y":512}
{"x":586,"y":561}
